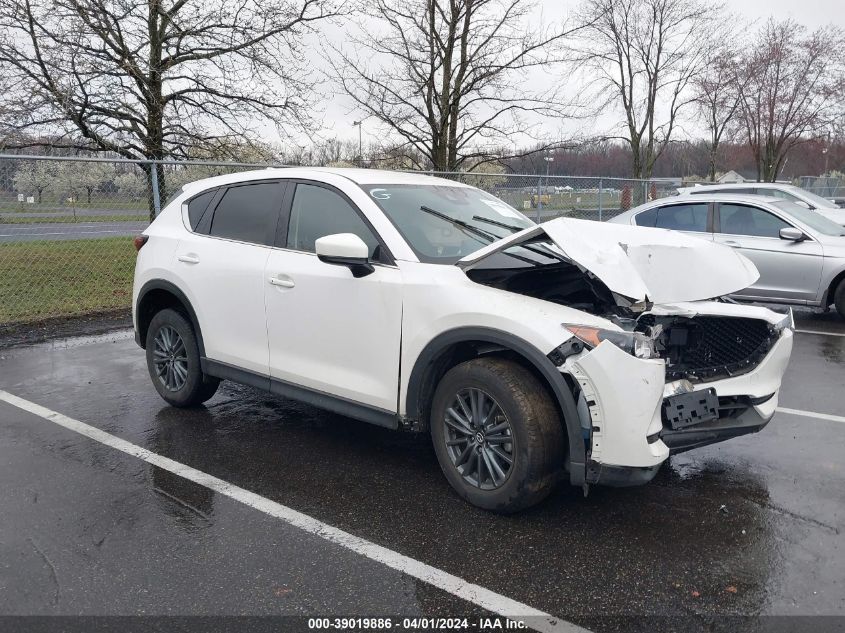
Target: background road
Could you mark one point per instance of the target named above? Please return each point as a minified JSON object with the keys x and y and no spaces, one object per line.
{"x":749,"y":527}
{"x":68,"y":231}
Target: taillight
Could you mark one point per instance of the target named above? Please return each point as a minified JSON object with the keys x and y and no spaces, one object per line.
{"x":139,"y":241}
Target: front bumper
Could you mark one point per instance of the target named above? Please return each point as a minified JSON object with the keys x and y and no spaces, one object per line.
{"x":622,"y":416}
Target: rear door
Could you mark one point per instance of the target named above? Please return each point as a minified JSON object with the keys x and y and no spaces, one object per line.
{"x":221,"y":264}
{"x":789,"y":271}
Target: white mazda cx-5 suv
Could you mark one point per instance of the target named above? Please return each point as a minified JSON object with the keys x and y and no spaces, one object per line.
{"x":528,"y":352}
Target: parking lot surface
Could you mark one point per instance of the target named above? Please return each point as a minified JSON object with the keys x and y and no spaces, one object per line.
{"x":750,"y":527}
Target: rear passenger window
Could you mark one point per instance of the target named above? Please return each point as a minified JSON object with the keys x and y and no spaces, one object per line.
{"x":317,"y":212}
{"x":248,"y":213}
{"x":197,"y":207}
{"x":683,"y":217}
{"x":647,"y":218}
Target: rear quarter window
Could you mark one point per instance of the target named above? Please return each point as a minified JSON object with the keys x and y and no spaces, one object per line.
{"x":197,"y":206}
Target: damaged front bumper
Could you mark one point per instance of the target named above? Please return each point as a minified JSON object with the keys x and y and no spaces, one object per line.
{"x":744,"y":404}
{"x":632,"y":419}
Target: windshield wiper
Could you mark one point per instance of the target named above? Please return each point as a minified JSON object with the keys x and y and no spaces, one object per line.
{"x":490,"y":237}
{"x":504,"y":225}
{"x":539,"y":249}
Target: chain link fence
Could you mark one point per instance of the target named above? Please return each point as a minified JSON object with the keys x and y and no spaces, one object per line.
{"x":67,"y":223}
{"x":830,"y":187}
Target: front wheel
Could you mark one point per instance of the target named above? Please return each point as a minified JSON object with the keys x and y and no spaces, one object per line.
{"x":839,"y":298}
{"x":173,"y":361}
{"x":497,"y":434}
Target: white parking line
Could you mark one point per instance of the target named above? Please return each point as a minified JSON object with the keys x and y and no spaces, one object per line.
{"x":484,"y":598}
{"x":812,"y":414}
{"x":820,"y":333}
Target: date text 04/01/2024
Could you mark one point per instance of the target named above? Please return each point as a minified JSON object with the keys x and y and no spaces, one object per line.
{"x":417,"y":624}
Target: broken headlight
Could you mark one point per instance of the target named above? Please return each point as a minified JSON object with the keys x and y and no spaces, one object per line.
{"x":635,"y":343}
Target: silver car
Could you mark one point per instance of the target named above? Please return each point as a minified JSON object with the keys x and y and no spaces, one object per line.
{"x":799,"y":253}
{"x":790,"y":193}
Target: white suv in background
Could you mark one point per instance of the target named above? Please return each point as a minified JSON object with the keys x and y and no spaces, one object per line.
{"x":781,"y":191}
{"x":529,"y":352}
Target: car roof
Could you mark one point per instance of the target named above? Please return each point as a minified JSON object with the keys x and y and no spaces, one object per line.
{"x":356,"y":175}
{"x":739,"y":185}
{"x":717,"y":196}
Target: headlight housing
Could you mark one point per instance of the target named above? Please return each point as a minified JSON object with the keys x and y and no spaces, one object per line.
{"x":634,"y":343}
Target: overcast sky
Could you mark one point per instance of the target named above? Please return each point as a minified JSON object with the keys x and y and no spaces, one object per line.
{"x":337,"y":117}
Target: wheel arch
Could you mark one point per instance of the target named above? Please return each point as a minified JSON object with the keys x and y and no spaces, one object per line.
{"x":830,"y":293}
{"x":157,"y":295}
{"x":456,"y":346}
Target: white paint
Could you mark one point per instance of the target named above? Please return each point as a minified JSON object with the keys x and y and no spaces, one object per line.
{"x":812,"y":414}
{"x":639,"y":262}
{"x":484,"y":598}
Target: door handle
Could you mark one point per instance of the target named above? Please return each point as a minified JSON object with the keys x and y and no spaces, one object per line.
{"x":732,"y":243}
{"x":189,"y":259}
{"x":282,"y":282}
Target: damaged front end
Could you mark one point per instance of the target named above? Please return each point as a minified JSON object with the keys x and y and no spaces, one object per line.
{"x":692,"y":380}
{"x":667,"y":366}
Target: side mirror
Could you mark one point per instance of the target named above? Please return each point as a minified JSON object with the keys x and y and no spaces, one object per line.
{"x":792,"y":234}
{"x":345,"y":249}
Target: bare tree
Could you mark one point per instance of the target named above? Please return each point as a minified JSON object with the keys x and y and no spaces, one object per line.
{"x":792,"y":92}
{"x":717,"y":92}
{"x":448,"y":77}
{"x":642,"y":55}
{"x":154,"y":79}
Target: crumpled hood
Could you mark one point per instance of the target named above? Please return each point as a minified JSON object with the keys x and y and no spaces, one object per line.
{"x":638,"y":263}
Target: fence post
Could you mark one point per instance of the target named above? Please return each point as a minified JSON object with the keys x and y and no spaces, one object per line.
{"x":154,"y":183}
{"x":601,"y":195}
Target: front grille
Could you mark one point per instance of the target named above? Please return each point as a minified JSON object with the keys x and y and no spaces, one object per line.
{"x":711,"y":347}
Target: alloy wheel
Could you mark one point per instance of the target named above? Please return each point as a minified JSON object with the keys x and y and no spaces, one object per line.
{"x":170,"y":359}
{"x":479,"y":439}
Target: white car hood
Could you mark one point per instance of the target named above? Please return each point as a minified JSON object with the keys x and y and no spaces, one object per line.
{"x":641,"y":264}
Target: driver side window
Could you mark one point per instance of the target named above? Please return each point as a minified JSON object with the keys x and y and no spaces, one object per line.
{"x":317,"y":212}
{"x":741,"y":219}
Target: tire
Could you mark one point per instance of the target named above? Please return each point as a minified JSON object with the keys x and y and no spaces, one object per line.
{"x":839,"y":298}
{"x":525,"y":408}
{"x":173,"y":361}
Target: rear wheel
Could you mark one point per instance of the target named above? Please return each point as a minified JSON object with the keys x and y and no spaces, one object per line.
{"x":839,"y":298}
{"x":497,"y":434}
{"x":173,"y":361}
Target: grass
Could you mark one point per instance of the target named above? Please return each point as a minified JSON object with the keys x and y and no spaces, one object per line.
{"x":46,"y":279}
{"x":69,"y":219}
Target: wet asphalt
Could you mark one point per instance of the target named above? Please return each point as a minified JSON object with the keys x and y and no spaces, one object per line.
{"x":750,"y":527}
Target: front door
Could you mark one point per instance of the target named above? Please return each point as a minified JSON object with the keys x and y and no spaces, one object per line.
{"x":329,"y":331}
{"x":789,"y":271}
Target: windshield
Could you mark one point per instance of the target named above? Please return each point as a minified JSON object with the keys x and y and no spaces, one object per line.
{"x":444,"y":223}
{"x":816,"y":200}
{"x":810,"y":218}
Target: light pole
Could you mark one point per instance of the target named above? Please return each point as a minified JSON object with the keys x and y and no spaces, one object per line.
{"x":360,"y":153}
{"x":549,"y":160}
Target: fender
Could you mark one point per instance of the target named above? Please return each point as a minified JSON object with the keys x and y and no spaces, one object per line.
{"x":160,"y":284}
{"x":557,"y":383}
